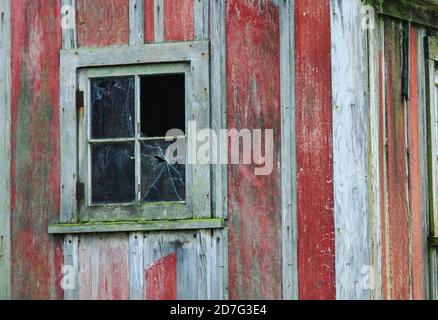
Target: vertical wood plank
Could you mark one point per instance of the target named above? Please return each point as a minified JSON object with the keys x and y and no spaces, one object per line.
{"x":178,"y":20}
{"x":376,"y":165}
{"x":71,"y":267}
{"x":35,"y":167}
{"x":158,"y":20}
{"x":201,"y":18}
{"x":104,"y":267}
{"x":69,"y":26}
{"x":149,"y":11}
{"x":253,"y":93}
{"x":414,"y":162}
{"x":422,"y":96}
{"x":218,"y":94}
{"x":136,"y":22}
{"x":316,"y":245}
{"x":397,"y":164}
{"x":350,"y":149}
{"x":288,"y":152}
{"x":102,"y":23}
{"x":5,"y":152}
{"x":136,"y":268}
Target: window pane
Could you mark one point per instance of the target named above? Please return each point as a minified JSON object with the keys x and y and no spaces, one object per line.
{"x":162,"y":104}
{"x":113,"y":105}
{"x":113,"y":173}
{"x":160,"y":180}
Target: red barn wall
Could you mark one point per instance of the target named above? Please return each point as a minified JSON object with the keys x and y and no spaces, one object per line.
{"x":36,"y":256}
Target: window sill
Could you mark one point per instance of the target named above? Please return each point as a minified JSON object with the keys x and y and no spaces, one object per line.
{"x":138,"y":226}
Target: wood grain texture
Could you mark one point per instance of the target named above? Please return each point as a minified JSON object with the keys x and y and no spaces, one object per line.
{"x":351,"y":149}
{"x":104,"y":267}
{"x":161,"y":279}
{"x":149,"y":21}
{"x":179,"y":20}
{"x":399,"y":253}
{"x":415,"y":160}
{"x":316,"y":246}
{"x":253,"y":81}
{"x":5,"y":149}
{"x":36,"y":256}
{"x":102,"y":23}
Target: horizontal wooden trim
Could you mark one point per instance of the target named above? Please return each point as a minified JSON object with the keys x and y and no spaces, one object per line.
{"x":138,"y":226}
{"x":125,"y":55}
{"x":424,"y":12}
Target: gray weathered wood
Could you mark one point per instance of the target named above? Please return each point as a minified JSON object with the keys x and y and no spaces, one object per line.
{"x":288,"y":152}
{"x":71,"y":267}
{"x":103,"y":227}
{"x":5,"y":145}
{"x":136,"y":22}
{"x":375,"y":189}
{"x":350,"y":142}
{"x":159,"y":20}
{"x":423,"y":151}
{"x":69,"y":29}
{"x":433,"y":48}
{"x":136,"y":268}
{"x":201,"y":17}
{"x":218,"y":91}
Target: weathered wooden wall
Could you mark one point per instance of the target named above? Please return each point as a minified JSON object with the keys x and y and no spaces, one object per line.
{"x":253,"y":62}
{"x":36,"y":256}
{"x":361,"y":166}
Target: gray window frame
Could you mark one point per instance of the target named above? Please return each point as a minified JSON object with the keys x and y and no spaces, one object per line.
{"x":76,"y":66}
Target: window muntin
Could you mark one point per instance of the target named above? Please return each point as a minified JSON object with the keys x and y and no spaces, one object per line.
{"x":125,"y":169}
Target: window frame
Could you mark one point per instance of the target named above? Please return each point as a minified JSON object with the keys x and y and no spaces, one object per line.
{"x":75,"y":64}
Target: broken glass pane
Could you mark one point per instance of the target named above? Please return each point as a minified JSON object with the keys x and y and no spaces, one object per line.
{"x":161,"y":181}
{"x":113,"y":173}
{"x":113,"y":105}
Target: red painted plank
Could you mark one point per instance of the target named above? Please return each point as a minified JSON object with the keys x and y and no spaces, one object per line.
{"x":397,"y":165}
{"x":253,"y":40}
{"x":36,"y":256}
{"x":178,"y":20}
{"x":316,"y":256}
{"x":149,"y":21}
{"x":161,"y":279}
{"x":102,"y":23}
{"x":415,"y":174}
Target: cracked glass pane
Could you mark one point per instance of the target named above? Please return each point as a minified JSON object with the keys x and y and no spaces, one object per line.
{"x":113,"y":173}
{"x":161,"y":181}
{"x":113,"y":105}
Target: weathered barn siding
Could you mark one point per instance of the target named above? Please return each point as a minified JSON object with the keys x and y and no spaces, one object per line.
{"x":36,"y":41}
{"x":316,"y":247}
{"x":351,"y":149}
{"x":254,"y":102}
{"x":102,"y":23}
{"x":178,"y":20}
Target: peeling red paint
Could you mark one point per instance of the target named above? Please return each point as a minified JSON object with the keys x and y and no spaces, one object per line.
{"x":149,"y":21}
{"x":178,"y":20}
{"x":316,"y":247}
{"x":102,"y":23}
{"x":161,"y":279}
{"x":36,"y":41}
{"x":254,"y":102}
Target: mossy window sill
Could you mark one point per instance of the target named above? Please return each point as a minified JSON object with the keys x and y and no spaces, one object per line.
{"x":136,"y":226}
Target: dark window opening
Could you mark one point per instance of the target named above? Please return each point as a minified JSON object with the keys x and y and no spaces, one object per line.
{"x":162,"y":104}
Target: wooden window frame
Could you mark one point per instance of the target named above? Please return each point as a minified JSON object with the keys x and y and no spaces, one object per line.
{"x":195,"y":56}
